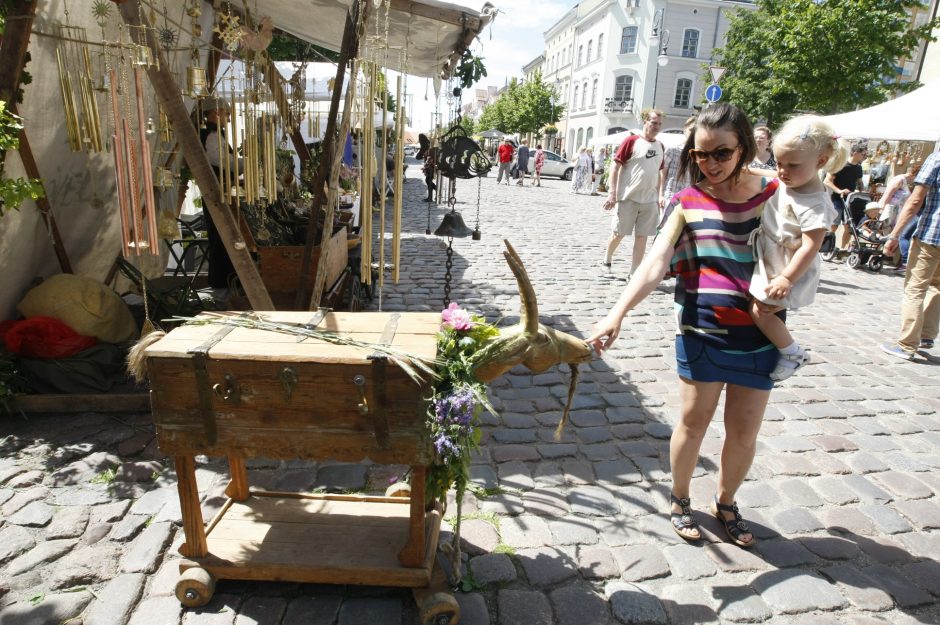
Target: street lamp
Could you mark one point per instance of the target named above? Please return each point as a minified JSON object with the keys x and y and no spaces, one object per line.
{"x":660,"y":39}
{"x":553,"y":98}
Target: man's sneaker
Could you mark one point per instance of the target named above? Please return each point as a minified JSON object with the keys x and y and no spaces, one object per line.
{"x":895,"y":350}
{"x":926,"y":343}
{"x":788,"y":364}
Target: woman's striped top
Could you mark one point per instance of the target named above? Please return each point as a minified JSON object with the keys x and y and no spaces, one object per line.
{"x":713,"y":263}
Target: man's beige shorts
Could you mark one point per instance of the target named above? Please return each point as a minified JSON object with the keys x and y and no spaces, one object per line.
{"x":639,"y":218}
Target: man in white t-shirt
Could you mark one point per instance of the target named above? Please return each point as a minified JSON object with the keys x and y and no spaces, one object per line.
{"x":634,"y":188}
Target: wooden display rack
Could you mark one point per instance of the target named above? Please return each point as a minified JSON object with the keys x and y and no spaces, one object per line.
{"x":244,"y":393}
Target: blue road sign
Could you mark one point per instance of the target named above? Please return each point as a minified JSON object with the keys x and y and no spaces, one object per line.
{"x":713,"y":93}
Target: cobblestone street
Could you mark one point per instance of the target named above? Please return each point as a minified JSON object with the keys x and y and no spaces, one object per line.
{"x":844,"y":494}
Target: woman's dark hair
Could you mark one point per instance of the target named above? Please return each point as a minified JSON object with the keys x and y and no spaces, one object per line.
{"x":538,"y":147}
{"x":722,"y":116}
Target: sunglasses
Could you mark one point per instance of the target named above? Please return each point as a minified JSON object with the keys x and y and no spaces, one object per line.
{"x":721,"y":155}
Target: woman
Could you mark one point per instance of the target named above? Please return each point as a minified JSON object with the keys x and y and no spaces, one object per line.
{"x":598,"y":170}
{"x":718,"y":347}
{"x":764,"y":158}
{"x":896,"y":193}
{"x":539,"y":162}
{"x":582,"y":169}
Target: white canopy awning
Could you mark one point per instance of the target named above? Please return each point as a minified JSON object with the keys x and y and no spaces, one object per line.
{"x":669,"y":139}
{"x":425,"y":37}
{"x":912,"y":117}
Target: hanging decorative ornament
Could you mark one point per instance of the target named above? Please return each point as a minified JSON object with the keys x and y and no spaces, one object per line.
{"x":437,"y":86}
{"x":229,"y":30}
{"x":460,"y":156}
{"x":101,"y":10}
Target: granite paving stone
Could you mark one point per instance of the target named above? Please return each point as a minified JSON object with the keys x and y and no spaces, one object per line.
{"x":793,"y":521}
{"x":545,"y":566}
{"x":886,"y":520}
{"x":578,"y":604}
{"x":906,"y":593}
{"x":641,"y":562}
{"x":523,"y":607}
{"x":688,"y":603}
{"x":925,"y":574}
{"x":793,"y":591}
{"x":903,"y":485}
{"x":372,"y":610}
{"x":925,"y":515}
{"x":635,"y":604}
{"x":732,"y":559}
{"x":689,"y":563}
{"x":115,"y":602}
{"x":861,"y":590}
{"x":738,"y":603}
{"x":596,"y":563}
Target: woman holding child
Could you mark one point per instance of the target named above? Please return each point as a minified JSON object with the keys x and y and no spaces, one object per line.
{"x":704,"y":240}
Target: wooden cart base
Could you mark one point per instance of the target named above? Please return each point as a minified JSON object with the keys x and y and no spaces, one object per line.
{"x":307,"y":538}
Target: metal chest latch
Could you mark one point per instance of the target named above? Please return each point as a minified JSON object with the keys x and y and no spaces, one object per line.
{"x":200,"y":360}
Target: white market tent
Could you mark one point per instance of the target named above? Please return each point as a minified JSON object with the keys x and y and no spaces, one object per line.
{"x":912,"y":117}
{"x":669,"y":139}
{"x":81,"y":187}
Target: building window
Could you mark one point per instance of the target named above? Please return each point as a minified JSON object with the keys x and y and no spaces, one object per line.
{"x":594,"y":94}
{"x":580,"y":56}
{"x":590,"y":50}
{"x":690,"y":43}
{"x":574,"y":101}
{"x":584,"y":96}
{"x":623,"y":88}
{"x":588,"y":136}
{"x":600,"y":46}
{"x":580,"y":138}
{"x":628,"y":40}
{"x":683,"y":93}
{"x":571,"y":143}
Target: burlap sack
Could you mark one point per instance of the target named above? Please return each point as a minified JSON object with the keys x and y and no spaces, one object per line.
{"x":85,"y":305}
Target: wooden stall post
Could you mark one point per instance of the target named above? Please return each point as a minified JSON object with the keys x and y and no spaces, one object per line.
{"x":193,"y":526}
{"x":355,"y":21}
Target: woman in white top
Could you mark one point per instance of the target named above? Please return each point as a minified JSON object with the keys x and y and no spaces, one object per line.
{"x":582,"y":170}
{"x":896,"y":193}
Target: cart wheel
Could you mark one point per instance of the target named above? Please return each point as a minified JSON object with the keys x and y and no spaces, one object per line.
{"x":440,"y":609}
{"x":854,"y":260}
{"x":398,"y":489}
{"x":831,"y":254}
{"x":875,"y":263}
{"x":195,"y":587}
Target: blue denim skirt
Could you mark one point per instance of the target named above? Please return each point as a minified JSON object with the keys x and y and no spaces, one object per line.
{"x":700,"y":362}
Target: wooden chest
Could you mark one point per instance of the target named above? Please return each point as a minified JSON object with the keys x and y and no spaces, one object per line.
{"x":219,"y":390}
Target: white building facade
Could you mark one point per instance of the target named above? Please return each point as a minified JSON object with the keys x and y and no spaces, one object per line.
{"x":610,"y":59}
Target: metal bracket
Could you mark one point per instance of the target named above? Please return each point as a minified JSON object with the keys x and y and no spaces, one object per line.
{"x":200,"y":361}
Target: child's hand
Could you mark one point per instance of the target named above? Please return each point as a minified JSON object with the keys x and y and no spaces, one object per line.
{"x":778,"y":288}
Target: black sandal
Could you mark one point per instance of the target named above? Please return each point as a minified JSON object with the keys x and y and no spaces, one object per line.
{"x":683,"y":522}
{"x":734,"y":527}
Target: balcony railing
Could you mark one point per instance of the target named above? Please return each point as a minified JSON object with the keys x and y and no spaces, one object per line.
{"x":613,"y":105}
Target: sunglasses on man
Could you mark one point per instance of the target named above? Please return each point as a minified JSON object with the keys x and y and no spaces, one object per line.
{"x":721,"y":155}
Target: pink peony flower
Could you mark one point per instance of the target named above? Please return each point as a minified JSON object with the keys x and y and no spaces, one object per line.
{"x":457,"y":318}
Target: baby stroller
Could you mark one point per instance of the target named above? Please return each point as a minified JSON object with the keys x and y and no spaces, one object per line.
{"x":867,"y":247}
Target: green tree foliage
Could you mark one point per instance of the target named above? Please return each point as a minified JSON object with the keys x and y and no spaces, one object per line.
{"x":13,"y":192}
{"x":523,"y":108}
{"x":826,"y":56}
{"x":286,"y":47}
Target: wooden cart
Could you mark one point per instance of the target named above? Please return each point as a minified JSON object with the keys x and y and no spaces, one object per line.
{"x":243,"y":393}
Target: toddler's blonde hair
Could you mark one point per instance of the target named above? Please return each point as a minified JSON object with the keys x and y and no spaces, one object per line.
{"x":813,"y":133}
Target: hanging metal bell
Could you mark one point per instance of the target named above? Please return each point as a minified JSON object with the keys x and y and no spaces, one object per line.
{"x":453,"y":226}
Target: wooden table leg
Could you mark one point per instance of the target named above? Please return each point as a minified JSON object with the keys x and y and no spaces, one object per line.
{"x":193,"y":526}
{"x":238,"y":487}
{"x":412,"y":555}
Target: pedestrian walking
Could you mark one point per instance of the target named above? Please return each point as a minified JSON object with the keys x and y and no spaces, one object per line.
{"x":504,"y":154}
{"x":843,"y":182}
{"x":764,"y":159}
{"x":634,"y":185}
{"x":522,"y":160}
{"x":669,"y":182}
{"x":539,"y":163}
{"x":582,"y":166}
{"x":599,"y":161}
{"x":920,"y":310}
{"x":718,"y":347}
